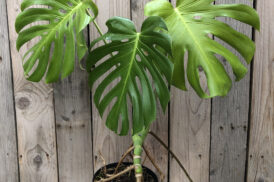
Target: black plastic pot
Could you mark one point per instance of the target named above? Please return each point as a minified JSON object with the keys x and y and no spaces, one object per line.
{"x":149,"y":176}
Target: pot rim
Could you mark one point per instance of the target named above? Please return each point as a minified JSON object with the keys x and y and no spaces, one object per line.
{"x":149,"y":171}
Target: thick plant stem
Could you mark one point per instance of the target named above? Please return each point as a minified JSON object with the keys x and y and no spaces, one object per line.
{"x":138,"y":140}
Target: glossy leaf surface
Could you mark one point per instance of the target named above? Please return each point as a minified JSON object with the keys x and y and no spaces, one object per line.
{"x":137,"y":69}
{"x":61,"y":34}
{"x":190,"y":25}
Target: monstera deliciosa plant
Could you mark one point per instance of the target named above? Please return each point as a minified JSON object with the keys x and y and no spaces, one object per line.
{"x":136,"y":68}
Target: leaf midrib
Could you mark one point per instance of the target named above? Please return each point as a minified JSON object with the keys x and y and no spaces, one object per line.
{"x":53,"y":30}
{"x":188,"y":29}
{"x":125,"y":83}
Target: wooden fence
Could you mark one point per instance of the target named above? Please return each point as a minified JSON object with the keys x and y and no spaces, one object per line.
{"x":51,"y":133}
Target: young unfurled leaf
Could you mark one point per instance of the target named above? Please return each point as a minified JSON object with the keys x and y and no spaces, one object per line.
{"x":134,"y":55}
{"x":189,"y":25}
{"x":63,"y":31}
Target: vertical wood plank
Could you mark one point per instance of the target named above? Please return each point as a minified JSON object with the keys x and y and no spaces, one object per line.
{"x":105,"y":141}
{"x":230,"y":118}
{"x":261,"y":146}
{"x":160,"y":126}
{"x":8,"y":148}
{"x":73,"y":127}
{"x":35,"y":117}
{"x":190,"y":134}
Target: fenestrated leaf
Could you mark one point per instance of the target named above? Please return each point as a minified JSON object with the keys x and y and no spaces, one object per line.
{"x":189,"y":25}
{"x":127,"y":68}
{"x":64,"y":31}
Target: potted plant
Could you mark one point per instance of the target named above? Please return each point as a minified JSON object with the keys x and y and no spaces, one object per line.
{"x":140,"y":66}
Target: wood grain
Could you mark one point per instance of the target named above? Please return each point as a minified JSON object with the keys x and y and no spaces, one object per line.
{"x":160,"y":126}
{"x":261,"y":145}
{"x":108,"y":143}
{"x":230,"y":118}
{"x":35,"y":117}
{"x":8,"y":148}
{"x":190,"y":133}
{"x":73,"y":127}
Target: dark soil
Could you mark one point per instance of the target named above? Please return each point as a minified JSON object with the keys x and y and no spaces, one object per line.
{"x":128,"y":177}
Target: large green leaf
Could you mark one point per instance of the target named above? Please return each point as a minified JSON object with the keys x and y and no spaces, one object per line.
{"x":65,"y":21}
{"x":189,"y":25}
{"x":134,"y":60}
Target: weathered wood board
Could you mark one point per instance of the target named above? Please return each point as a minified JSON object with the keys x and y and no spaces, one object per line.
{"x":8,"y":146}
{"x":189,"y":135}
{"x":73,"y":127}
{"x":106,"y":142}
{"x":229,"y":125}
{"x":261,"y":145}
{"x":35,"y":116}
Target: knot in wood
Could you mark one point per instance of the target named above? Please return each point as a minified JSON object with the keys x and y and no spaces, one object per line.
{"x":23,"y":103}
{"x":38,"y":160}
{"x":134,"y":5}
